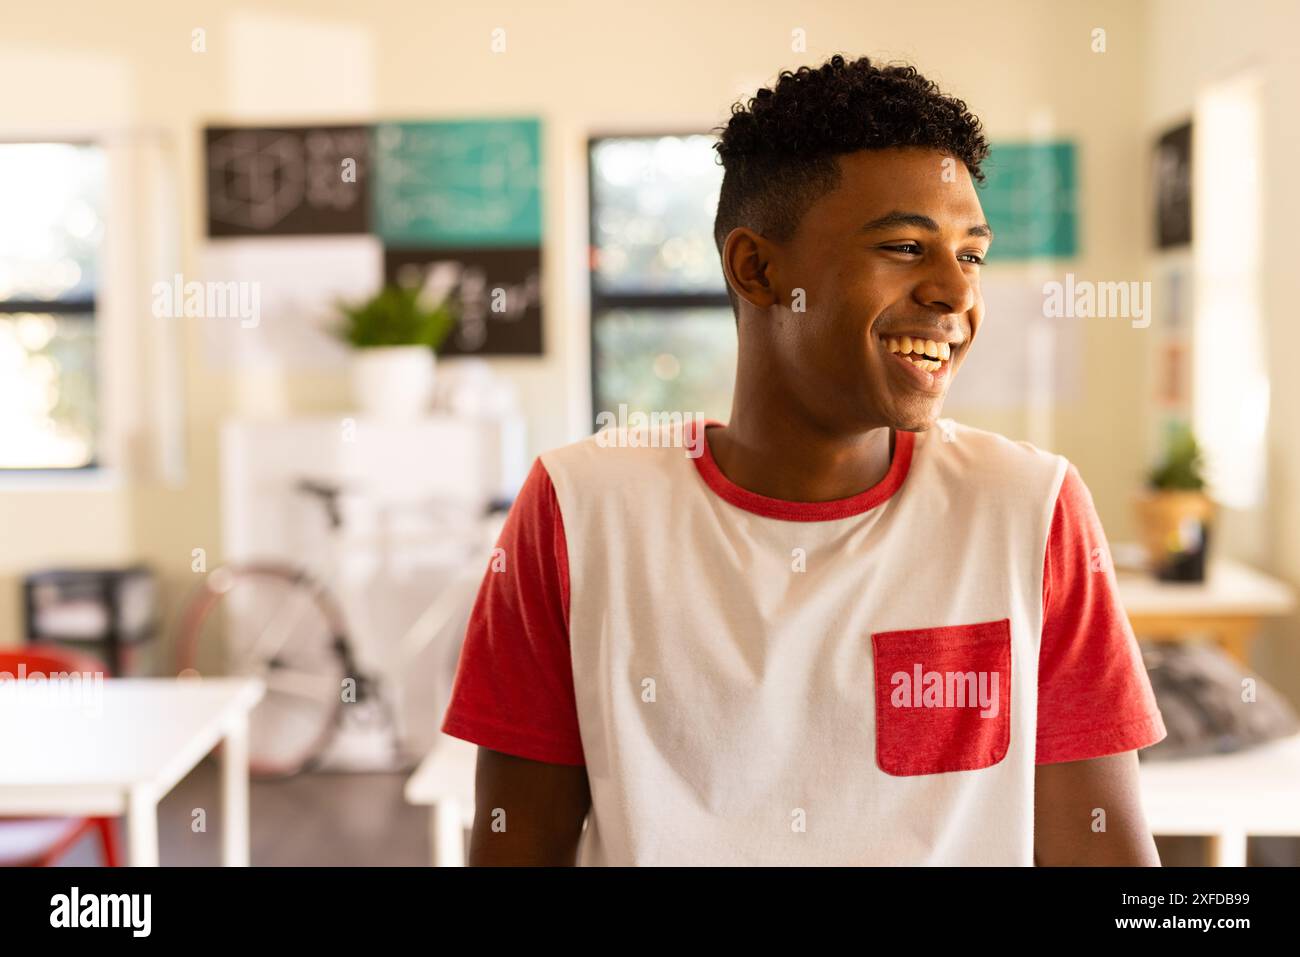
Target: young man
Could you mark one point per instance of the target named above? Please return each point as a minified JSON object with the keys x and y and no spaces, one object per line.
{"x":847,"y":631}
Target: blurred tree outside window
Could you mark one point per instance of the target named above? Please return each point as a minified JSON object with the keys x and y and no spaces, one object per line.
{"x":52,"y":198}
{"x":663,"y":338}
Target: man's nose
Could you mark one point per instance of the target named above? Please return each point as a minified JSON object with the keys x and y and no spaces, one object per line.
{"x":948,"y":288}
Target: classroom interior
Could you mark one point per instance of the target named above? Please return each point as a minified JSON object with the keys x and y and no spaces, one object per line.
{"x":291,"y":159}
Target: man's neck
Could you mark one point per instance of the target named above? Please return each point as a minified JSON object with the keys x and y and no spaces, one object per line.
{"x":784,"y":457}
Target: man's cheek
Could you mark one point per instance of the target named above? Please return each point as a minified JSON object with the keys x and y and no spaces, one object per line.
{"x":976,"y":316}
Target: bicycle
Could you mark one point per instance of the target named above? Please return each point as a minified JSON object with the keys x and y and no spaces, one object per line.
{"x":322,"y":708}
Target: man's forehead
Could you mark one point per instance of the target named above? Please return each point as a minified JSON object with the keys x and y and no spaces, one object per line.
{"x":876,"y":182}
{"x":916,"y":163}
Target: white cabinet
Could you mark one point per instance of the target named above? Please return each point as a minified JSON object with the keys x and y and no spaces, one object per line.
{"x":384,"y":463}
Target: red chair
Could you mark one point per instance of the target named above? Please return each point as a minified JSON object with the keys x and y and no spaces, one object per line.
{"x":41,"y":841}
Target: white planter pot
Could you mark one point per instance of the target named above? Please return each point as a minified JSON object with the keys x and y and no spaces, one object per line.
{"x":393,"y":382}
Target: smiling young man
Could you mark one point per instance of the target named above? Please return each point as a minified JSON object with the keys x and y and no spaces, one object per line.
{"x":838,"y":629}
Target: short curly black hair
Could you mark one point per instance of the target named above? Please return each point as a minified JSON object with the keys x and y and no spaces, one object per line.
{"x":778,"y":150}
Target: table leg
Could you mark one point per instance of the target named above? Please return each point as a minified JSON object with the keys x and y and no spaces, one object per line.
{"x":1235,"y":641}
{"x":447,"y":834}
{"x":1227,"y":849}
{"x":234,"y":796}
{"x":142,"y":828}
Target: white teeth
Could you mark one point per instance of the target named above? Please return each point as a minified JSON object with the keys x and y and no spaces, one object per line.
{"x":930,"y":355}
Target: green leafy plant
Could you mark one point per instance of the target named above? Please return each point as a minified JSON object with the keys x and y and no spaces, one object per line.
{"x":396,"y":316}
{"x":1183,"y":467}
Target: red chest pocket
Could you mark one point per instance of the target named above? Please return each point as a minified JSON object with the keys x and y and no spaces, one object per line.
{"x":943,"y":697}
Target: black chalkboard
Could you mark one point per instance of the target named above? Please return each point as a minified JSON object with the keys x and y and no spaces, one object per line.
{"x":287,"y":181}
{"x":498,"y":290}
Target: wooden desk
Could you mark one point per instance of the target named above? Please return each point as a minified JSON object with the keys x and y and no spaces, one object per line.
{"x":1228,"y":606}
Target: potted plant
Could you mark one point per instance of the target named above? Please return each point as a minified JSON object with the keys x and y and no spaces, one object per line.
{"x":1175,"y":514}
{"x":396,"y":334}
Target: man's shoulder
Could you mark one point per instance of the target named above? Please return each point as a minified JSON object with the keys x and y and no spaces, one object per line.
{"x":970,"y":454}
{"x":630,"y":453}
{"x":958,"y":435}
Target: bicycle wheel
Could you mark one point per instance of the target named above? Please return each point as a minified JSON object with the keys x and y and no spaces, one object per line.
{"x":275,"y":623}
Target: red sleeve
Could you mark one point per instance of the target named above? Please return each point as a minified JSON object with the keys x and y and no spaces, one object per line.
{"x":513,"y":690}
{"x":1094,"y":696}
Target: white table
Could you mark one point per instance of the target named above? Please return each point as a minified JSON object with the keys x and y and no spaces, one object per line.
{"x":1222,"y":797}
{"x":1226,"y":797}
{"x":445,"y":782}
{"x":120,"y":758}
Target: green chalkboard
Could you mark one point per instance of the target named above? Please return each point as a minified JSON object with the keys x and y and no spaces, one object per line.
{"x":1030,"y":199}
{"x":457,"y":183}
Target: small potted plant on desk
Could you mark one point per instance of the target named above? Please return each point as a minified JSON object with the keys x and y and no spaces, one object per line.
{"x":396,"y":334}
{"x":1175,"y":515}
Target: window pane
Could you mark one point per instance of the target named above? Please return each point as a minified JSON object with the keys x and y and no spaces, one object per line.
{"x":659,"y":360}
{"x":1231,"y":398}
{"x":653,"y":203}
{"x":47,"y":390}
{"x":52,"y":196}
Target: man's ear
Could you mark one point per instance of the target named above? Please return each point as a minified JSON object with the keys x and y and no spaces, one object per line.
{"x":747,"y":262}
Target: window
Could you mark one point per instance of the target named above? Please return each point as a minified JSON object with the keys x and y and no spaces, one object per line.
{"x":52,"y":195}
{"x":1230,"y":398}
{"x":663,"y":338}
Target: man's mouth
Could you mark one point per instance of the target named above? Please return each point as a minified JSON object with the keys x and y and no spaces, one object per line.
{"x":927,"y":354}
{"x":929,"y":360}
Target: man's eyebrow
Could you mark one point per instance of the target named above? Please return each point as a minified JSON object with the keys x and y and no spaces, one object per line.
{"x":920,"y":221}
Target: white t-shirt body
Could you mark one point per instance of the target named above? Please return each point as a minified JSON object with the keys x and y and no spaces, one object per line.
{"x":753,"y":681}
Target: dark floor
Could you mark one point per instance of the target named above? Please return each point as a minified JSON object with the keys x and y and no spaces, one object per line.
{"x":311,"y":820}
{"x":1260,"y":851}
{"x":340,"y":820}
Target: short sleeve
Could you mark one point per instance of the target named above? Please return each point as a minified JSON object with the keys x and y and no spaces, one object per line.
{"x":513,"y":690}
{"x":1094,"y":696}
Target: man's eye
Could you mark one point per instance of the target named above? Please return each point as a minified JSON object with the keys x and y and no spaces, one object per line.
{"x":914,"y":249}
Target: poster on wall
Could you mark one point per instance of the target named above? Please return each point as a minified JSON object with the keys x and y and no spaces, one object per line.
{"x":1030,"y":200}
{"x":1173,"y":350}
{"x":455,"y":201}
{"x":1172,"y":187}
{"x":461,"y":183}
{"x":498,"y":291}
{"x":1171,"y":390}
{"x":287,"y":181}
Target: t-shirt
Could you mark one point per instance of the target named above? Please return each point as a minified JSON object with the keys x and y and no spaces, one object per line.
{"x":748,"y":680}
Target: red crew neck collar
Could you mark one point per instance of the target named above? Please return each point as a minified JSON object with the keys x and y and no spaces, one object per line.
{"x":788,"y":511}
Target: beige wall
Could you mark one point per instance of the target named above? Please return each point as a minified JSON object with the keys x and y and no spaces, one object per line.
{"x":1192,"y":44}
{"x":586,"y":67}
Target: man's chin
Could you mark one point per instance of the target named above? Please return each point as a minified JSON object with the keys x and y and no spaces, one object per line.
{"x":920,"y":420}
